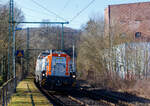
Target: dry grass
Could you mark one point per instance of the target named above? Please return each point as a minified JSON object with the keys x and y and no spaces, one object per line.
{"x":141,"y":88}
{"x":28,"y":95}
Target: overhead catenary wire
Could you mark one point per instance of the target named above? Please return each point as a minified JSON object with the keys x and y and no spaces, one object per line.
{"x":32,"y":10}
{"x":35,"y":17}
{"x":66,"y":4}
{"x":51,"y":12}
{"x":82,"y":10}
{"x":30,"y":16}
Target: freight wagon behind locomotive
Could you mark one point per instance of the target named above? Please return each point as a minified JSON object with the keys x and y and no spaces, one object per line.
{"x":54,"y":70}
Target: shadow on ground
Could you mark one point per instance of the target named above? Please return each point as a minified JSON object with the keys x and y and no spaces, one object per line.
{"x":100,"y":94}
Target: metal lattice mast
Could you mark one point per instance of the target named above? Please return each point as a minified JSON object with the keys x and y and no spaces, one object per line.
{"x":14,"y":42}
{"x":62,"y":38}
{"x":9,"y":39}
{"x":27,"y":49}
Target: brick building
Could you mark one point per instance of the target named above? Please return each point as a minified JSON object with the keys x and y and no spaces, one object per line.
{"x":131,"y":18}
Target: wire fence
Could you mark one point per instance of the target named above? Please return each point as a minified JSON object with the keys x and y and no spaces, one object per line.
{"x":6,"y":90}
{"x":7,"y":82}
{"x":3,"y":70}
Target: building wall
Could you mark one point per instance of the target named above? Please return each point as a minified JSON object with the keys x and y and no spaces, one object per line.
{"x":130,"y":18}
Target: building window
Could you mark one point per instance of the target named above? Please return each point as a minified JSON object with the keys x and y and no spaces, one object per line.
{"x":122,"y":21}
{"x":123,"y":35}
{"x":138,"y":34}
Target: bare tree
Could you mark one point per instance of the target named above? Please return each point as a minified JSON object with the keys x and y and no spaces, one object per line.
{"x":4,"y":33}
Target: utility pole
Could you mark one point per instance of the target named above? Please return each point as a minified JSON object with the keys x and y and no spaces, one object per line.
{"x":28,"y":31}
{"x":110,"y":43}
{"x":62,"y":38}
{"x":58,"y":34}
{"x":14,"y":41}
{"x":9,"y":39}
{"x":73,"y":58}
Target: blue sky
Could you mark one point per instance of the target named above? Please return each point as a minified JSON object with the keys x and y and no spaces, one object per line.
{"x":66,"y":9}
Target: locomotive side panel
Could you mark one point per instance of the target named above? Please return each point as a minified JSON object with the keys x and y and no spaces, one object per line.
{"x":38,"y":69}
{"x":48,"y":65}
{"x":43,"y":64}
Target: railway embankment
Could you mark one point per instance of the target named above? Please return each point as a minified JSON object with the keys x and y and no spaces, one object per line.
{"x":137,"y":95}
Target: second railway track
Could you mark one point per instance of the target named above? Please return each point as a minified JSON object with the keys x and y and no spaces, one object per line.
{"x":83,"y":97}
{"x":61,"y":99}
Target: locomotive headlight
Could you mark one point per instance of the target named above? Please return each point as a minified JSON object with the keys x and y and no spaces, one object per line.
{"x":43,"y":74}
{"x":74,"y":76}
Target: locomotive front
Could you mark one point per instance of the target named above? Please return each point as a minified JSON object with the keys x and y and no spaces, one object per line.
{"x":57,"y":71}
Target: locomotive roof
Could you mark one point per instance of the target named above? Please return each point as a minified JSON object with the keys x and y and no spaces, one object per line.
{"x":47,"y":52}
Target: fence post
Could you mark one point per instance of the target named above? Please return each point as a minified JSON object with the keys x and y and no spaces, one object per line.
{"x":0,"y":68}
{"x":3,"y":97}
{"x":6,"y":94}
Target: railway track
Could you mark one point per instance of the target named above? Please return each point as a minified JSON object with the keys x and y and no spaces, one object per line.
{"x":61,"y":99}
{"x":93,"y":99}
{"x":69,"y":99}
{"x":115,"y":98}
{"x":84,"y":97}
{"x":78,"y":97}
{"x":106,"y":98}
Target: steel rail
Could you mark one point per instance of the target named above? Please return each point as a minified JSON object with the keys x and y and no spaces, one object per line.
{"x":57,"y":100}
{"x":108,"y":98}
